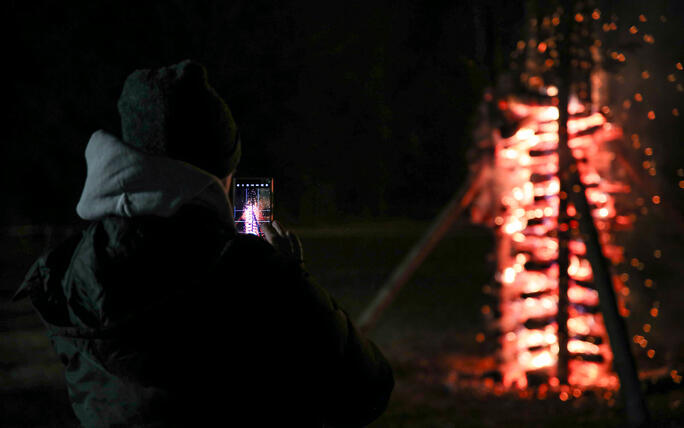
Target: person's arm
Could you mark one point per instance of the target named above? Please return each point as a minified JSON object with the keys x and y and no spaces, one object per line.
{"x":365,"y":381}
{"x":360,"y":380}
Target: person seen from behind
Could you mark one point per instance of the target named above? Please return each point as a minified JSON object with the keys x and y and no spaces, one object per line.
{"x":163,"y":315}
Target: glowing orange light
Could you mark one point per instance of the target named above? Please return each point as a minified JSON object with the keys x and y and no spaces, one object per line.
{"x":508,"y":276}
{"x":651,"y":353}
{"x":679,"y":66}
{"x":520,"y":45}
{"x":536,"y":81}
{"x":649,"y":39}
{"x":583,"y":295}
{"x":638,"y":97}
{"x":582,"y":347}
{"x":671,"y":77}
{"x":681,"y":184}
{"x":633,"y":29}
{"x":647,"y":328}
{"x":626,"y":104}
{"x":579,"y":17}
{"x":479,"y":337}
{"x":606,"y":27}
{"x":642,"y":18}
{"x":563,"y":396}
{"x":541,"y":47}
{"x":651,"y":115}
{"x":654,"y":312}
{"x":645,"y":74}
{"x":655,"y":199}
{"x":648,"y":283}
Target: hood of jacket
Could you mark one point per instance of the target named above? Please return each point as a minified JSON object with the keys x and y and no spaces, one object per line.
{"x":125,"y":182}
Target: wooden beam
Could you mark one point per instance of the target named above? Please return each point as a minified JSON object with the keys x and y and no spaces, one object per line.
{"x":623,"y":360}
{"x":421,"y":250}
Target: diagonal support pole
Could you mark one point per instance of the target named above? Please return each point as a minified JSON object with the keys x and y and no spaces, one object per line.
{"x":624,"y":364}
{"x":421,"y":250}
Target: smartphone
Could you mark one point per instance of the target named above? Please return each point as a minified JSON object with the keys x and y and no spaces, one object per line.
{"x":252,"y":204}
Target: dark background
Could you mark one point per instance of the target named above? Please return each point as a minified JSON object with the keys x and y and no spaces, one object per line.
{"x":363,"y":112}
{"x":357,"y":108}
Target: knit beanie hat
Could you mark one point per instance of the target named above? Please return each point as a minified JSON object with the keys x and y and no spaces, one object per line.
{"x":173,"y":112}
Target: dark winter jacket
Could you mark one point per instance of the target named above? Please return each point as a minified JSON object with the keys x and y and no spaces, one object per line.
{"x":178,"y":321}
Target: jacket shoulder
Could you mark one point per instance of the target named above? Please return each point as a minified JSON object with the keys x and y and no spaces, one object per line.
{"x":48,"y":266}
{"x":43,"y":281}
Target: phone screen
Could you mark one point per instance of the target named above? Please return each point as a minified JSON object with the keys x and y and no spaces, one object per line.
{"x":253,"y":204}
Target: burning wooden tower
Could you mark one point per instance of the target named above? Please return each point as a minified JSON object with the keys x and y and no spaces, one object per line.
{"x":552,"y":200}
{"x":545,"y":278}
{"x":547,"y":184}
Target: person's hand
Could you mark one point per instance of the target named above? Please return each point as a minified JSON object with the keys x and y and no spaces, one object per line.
{"x":283,"y":240}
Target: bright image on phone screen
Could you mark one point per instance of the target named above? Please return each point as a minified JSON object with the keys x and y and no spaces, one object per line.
{"x":253,"y":204}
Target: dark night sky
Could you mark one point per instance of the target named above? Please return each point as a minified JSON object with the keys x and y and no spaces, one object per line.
{"x":360,"y":108}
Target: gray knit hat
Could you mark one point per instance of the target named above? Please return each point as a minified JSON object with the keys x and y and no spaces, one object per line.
{"x":174,"y":112}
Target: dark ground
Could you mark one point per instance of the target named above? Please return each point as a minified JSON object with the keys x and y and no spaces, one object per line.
{"x":428,"y":335}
